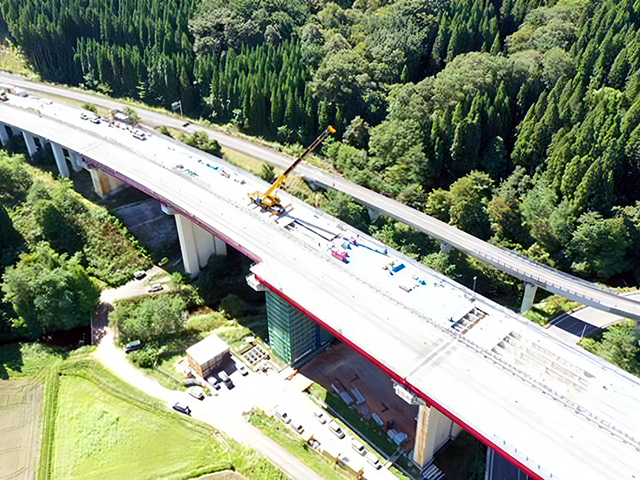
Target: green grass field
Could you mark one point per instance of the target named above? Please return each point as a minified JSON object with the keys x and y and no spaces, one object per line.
{"x":100,"y":436}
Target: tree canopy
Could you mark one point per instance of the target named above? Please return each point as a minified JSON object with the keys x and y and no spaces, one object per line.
{"x":49,"y":291}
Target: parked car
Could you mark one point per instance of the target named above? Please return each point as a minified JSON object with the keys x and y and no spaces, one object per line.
{"x":243,"y":370}
{"x":182,"y":408}
{"x":321,"y":417}
{"x":139,"y":275}
{"x":84,"y":116}
{"x":225,"y":378}
{"x":196,"y":392}
{"x":358,"y":447}
{"x":214,"y":382}
{"x":156,"y":287}
{"x":282,"y":415}
{"x":132,"y":346}
{"x":297,"y":426}
{"x":335,"y":428}
{"x":373,"y":460}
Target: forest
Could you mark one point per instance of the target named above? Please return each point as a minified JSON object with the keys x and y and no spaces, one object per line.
{"x":517,"y":121}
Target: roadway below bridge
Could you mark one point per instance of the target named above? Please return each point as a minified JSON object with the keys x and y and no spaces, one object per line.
{"x":528,"y":270}
{"x":553,"y":410}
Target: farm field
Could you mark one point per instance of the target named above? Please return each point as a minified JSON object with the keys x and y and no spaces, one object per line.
{"x":99,"y":435}
{"x":20,"y":412}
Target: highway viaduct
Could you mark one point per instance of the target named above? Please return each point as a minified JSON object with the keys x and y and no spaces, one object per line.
{"x":532,"y":273}
{"x":553,"y":410}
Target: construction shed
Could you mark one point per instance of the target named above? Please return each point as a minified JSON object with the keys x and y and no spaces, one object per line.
{"x":207,"y":355}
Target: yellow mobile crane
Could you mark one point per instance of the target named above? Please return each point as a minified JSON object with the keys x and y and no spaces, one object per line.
{"x":269,"y":200}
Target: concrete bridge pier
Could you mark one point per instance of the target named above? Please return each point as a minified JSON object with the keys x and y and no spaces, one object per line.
{"x":61,"y":161}
{"x":445,"y":248}
{"x":433,"y":432}
{"x":196,"y":245}
{"x":529,"y":296}
{"x":30,"y":141}
{"x":76,"y":161}
{"x":4,"y":134}
{"x":104,"y":184}
{"x":373,"y":214}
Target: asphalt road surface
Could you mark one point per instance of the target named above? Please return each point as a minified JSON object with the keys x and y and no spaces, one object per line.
{"x":572,"y":327}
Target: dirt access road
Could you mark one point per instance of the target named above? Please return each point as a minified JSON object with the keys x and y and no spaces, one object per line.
{"x":228,"y":420}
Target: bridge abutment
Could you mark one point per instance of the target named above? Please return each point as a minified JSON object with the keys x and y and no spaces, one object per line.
{"x":196,"y":245}
{"x":529,"y":296}
{"x":433,"y":432}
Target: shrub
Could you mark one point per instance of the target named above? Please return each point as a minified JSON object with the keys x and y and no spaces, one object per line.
{"x":164,"y":130}
{"x":233,"y":305}
{"x":132,"y":114}
{"x":206,"y":322}
{"x":267,"y":172}
{"x":146,"y":357}
{"x":90,"y":107}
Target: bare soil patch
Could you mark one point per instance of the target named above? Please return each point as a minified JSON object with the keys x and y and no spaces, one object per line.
{"x":151,"y":226}
{"x":222,"y":476}
{"x":20,"y":410}
{"x":345,"y":366}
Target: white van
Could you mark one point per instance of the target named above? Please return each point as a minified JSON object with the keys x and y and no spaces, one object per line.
{"x":335,"y":428}
{"x":358,"y":447}
{"x":373,"y":460}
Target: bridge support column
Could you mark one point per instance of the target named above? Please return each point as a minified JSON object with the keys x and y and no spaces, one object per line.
{"x":292,"y":335}
{"x":4,"y":134}
{"x":433,"y":432}
{"x":529,"y":296}
{"x":445,"y":248}
{"x":196,"y":245}
{"x":76,"y":161}
{"x":58,"y":154}
{"x":104,"y":184}
{"x":31,"y":143}
{"x":373,"y":214}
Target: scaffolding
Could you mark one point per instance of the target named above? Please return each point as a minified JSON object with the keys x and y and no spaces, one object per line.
{"x":292,"y":335}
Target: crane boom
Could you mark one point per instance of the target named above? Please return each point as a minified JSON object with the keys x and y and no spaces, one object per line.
{"x":269,"y":200}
